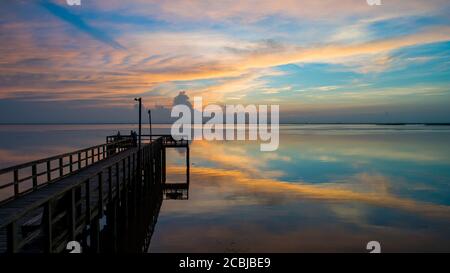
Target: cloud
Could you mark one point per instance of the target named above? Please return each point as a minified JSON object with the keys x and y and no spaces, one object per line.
{"x":252,"y":11}
{"x":43,"y":61}
{"x":75,"y":73}
{"x":69,"y":17}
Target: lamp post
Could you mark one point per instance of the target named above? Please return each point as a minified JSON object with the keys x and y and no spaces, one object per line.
{"x":138,"y":182}
{"x":139,"y":155}
{"x":150,"y":123}
{"x":140,"y":122}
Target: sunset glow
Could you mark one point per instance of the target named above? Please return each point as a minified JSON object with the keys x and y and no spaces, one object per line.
{"x":321,"y":61}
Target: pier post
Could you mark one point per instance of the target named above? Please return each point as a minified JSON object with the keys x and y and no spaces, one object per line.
{"x":187,"y":164}
{"x":163,"y":160}
{"x":12,"y":246}
{"x":48,"y":225}
{"x":72,"y":214}
{"x":95,"y":235}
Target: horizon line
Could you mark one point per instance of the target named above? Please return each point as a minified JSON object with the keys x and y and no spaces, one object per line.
{"x":281,"y":123}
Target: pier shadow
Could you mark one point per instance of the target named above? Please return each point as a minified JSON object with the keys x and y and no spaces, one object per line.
{"x":134,"y":234}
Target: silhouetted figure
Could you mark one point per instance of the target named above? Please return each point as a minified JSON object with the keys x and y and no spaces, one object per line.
{"x":118,"y":136}
{"x":134,"y":138}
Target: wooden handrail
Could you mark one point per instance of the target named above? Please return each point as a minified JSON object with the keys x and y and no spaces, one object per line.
{"x":64,"y":161}
{"x":39,"y":161}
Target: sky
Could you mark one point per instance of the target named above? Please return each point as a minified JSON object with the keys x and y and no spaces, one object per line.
{"x":321,"y":61}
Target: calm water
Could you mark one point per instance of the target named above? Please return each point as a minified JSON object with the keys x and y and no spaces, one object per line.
{"x":327,"y":188}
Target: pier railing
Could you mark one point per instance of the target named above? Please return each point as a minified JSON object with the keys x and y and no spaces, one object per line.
{"x":167,"y":139}
{"x":21,"y":179}
{"x":58,"y":215}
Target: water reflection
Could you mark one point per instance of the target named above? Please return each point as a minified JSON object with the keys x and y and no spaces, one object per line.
{"x":326,"y":189}
{"x":322,"y":191}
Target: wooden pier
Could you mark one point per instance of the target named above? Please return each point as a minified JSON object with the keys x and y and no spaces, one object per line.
{"x":105,"y":197}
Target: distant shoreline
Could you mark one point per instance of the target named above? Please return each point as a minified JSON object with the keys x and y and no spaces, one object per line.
{"x":285,"y":123}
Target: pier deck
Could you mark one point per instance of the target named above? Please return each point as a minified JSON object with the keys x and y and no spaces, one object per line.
{"x":76,"y":204}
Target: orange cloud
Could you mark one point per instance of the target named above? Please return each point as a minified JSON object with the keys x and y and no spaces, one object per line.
{"x":66,"y":69}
